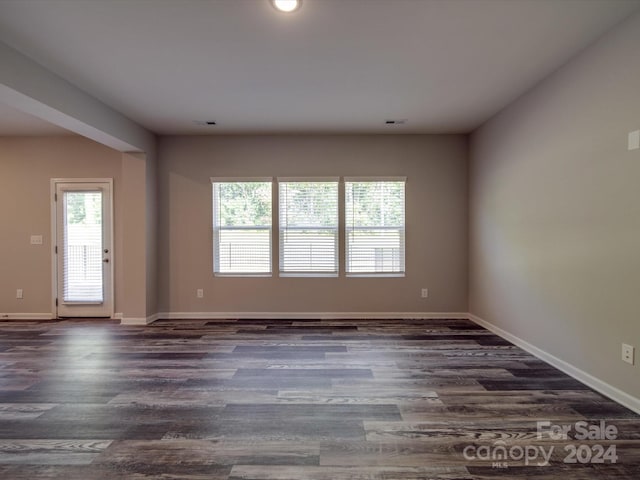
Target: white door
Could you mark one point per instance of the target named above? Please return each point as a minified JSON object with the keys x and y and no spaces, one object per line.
{"x":83,"y":249}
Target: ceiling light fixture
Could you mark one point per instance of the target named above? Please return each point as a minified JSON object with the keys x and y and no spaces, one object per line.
{"x":286,"y":6}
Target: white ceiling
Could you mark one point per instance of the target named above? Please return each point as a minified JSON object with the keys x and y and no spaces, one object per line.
{"x":340,"y":66}
{"x":15,"y":122}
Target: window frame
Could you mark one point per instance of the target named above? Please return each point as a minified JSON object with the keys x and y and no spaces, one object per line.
{"x":403,"y":230}
{"x":215,"y":236}
{"x":336,"y":229}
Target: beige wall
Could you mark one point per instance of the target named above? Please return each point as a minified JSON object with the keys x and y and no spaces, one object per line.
{"x":139,"y":219}
{"x":133,"y":218}
{"x":436,"y":242}
{"x":151,"y":219}
{"x":26,"y":166}
{"x":555,"y":212}
{"x":436,"y":221}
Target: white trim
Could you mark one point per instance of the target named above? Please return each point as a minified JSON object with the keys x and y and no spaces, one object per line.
{"x":139,"y":320}
{"x":133,"y":321}
{"x":352,"y":226}
{"x":308,"y":179}
{"x":375,"y":179}
{"x":309,"y":274}
{"x":311,"y":315}
{"x":376,"y":275}
{"x":117,"y":316}
{"x":54,"y":238}
{"x":284,"y":227}
{"x":217,"y":229}
{"x":245,"y":275}
{"x":26,"y":316}
{"x":53,"y":242}
{"x":601,"y":386}
{"x":81,"y":180}
{"x":240,"y":179}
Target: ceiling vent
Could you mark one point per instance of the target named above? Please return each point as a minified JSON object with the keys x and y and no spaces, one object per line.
{"x":396,"y":122}
{"x":204,"y":123}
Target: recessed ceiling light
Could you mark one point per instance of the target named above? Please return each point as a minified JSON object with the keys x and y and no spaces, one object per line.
{"x":286,"y":6}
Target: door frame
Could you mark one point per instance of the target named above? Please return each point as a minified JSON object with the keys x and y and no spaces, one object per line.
{"x":110,"y":303}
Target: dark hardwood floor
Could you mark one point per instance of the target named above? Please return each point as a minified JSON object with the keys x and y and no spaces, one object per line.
{"x":295,"y":400}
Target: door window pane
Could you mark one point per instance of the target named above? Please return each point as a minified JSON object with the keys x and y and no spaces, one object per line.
{"x":82,"y":275}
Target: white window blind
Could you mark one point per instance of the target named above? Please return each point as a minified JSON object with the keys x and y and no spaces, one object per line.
{"x":308,"y":226}
{"x":242,"y":227}
{"x":375,"y":226}
{"x":82,"y":278}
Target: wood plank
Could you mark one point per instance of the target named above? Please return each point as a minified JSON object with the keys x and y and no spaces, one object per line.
{"x":258,"y":399}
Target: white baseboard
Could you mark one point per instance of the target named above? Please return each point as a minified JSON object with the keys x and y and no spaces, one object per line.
{"x":597,"y":384}
{"x":118,"y":316}
{"x":139,"y":320}
{"x":309,"y":315}
{"x":26,"y":316}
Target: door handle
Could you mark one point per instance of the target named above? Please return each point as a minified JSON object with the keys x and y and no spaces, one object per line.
{"x":105,"y":260}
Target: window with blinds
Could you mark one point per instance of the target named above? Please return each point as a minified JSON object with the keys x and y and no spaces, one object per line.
{"x":242,"y":226}
{"x":82,"y":276}
{"x":308,"y":212}
{"x":375,"y":226}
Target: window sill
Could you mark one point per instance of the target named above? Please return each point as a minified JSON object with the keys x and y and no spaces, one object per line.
{"x":309,"y":275}
{"x":375,"y":275}
{"x":240,"y":275}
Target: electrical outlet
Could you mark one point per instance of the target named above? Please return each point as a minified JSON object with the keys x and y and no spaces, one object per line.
{"x":424,"y":293}
{"x":628,"y":352}
{"x":200,"y":293}
{"x":19,"y":293}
